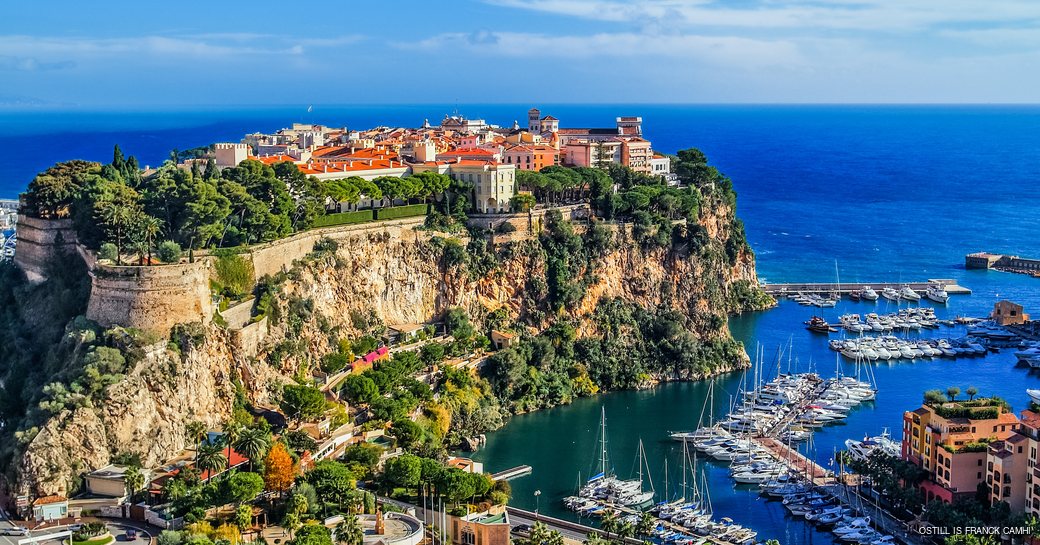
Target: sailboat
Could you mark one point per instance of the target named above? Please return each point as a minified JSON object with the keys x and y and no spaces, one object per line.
{"x":605,"y":485}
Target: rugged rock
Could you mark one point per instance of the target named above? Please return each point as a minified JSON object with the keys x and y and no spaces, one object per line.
{"x":397,"y":279}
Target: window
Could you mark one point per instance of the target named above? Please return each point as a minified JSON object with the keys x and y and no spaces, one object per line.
{"x":1007,"y":491}
{"x":980,"y":462}
{"x":979,"y":476}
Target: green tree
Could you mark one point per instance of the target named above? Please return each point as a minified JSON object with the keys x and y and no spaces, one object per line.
{"x":253,"y":444}
{"x":349,"y":532}
{"x":133,"y":480}
{"x":332,"y":480}
{"x":360,"y":389}
{"x":312,"y":534}
{"x":169,"y":251}
{"x":953,"y":392}
{"x":298,"y":504}
{"x":933,"y":397}
{"x":302,"y":402}
{"x":210,"y":457}
{"x":404,"y":471}
{"x":205,"y":213}
{"x":169,"y":537}
{"x":244,"y":517}
{"x":119,"y":213}
{"x":542,"y":535}
{"x":244,"y":486}
{"x":972,"y":392}
{"x":431,"y":354}
{"x":522,"y":202}
{"x":195,"y":432}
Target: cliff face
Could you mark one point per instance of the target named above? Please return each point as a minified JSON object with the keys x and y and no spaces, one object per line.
{"x":399,"y":278}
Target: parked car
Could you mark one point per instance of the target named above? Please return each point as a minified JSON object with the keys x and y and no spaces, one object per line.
{"x":522,"y":530}
{"x":131,"y":534}
{"x":16,"y":531}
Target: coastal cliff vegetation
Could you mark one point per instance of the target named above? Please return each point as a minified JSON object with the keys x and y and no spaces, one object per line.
{"x":636,"y":295}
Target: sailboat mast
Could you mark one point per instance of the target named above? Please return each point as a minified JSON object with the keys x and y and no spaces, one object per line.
{"x":603,"y":441}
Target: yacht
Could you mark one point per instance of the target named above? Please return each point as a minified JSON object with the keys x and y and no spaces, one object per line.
{"x":868,"y":294}
{"x":1034,"y":395}
{"x":937,"y":293}
{"x":860,"y":450}
{"x":909,"y":294}
{"x":890,"y":294}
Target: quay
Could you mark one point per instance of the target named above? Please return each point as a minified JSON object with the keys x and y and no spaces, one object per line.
{"x":845,"y":288}
{"x":510,"y":474}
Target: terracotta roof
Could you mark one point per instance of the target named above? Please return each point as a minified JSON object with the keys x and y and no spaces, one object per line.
{"x":47,"y":500}
{"x":272,"y":159}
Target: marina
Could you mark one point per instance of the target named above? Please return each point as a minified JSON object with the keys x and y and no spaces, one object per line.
{"x":847,"y":289}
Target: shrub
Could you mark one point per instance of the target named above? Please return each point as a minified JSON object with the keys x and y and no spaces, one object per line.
{"x":169,"y":251}
{"x":108,"y":251}
{"x":344,"y":218}
{"x":234,"y":274}
{"x":402,"y":211}
{"x":504,"y":228}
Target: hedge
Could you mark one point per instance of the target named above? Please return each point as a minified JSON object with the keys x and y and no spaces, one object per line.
{"x":402,"y":211}
{"x":344,"y":218}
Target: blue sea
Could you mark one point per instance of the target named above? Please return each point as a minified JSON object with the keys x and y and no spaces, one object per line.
{"x":856,"y":193}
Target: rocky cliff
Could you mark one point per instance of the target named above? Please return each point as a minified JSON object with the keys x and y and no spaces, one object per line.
{"x":403,"y":277}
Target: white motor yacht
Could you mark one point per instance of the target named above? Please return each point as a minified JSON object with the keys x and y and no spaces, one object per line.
{"x":910,"y":295}
{"x":890,"y":294}
{"x":937,"y":293}
{"x":868,"y":294}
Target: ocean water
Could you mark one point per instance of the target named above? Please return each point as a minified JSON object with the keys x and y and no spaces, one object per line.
{"x":856,"y":193}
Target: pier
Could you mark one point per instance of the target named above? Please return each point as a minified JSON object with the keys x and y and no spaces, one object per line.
{"x":510,"y":474}
{"x":844,"y":288}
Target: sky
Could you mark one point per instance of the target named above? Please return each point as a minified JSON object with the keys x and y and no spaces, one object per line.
{"x":140,"y":54}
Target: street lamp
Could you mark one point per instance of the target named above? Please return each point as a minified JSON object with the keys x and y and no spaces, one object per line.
{"x":537,"y":498}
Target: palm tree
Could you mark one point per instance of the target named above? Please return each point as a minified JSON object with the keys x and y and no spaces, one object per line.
{"x":609,"y":522}
{"x":195,"y":431}
{"x":253,"y":444}
{"x":150,"y":227}
{"x":231,"y":431}
{"x":210,"y":458}
{"x":646,"y":524}
{"x":133,"y":481}
{"x":625,"y":530}
{"x":349,"y":532}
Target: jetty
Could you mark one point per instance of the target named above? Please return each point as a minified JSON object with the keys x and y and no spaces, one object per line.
{"x":513,"y":473}
{"x":845,"y":288}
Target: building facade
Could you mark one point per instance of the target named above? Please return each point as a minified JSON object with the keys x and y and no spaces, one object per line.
{"x":494,"y":184}
{"x":951,"y":442}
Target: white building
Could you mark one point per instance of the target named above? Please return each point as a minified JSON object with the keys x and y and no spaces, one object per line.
{"x":494,"y":184}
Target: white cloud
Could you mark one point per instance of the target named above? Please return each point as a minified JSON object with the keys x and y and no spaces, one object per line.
{"x":608,"y":47}
{"x":47,"y":51}
{"x":870,"y":15}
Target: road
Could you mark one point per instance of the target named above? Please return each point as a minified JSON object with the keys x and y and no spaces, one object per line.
{"x":117,"y":528}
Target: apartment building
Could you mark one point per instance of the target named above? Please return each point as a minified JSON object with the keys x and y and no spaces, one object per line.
{"x":951,"y":441}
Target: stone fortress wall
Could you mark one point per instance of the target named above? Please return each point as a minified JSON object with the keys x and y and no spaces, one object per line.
{"x":39,"y":242}
{"x":158,"y":297}
{"x":155,"y":298}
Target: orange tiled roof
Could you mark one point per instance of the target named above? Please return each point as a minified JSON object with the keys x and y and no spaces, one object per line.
{"x":47,"y":500}
{"x":272,"y":159}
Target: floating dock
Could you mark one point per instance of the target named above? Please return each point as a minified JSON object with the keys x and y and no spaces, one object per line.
{"x":951,"y":285}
